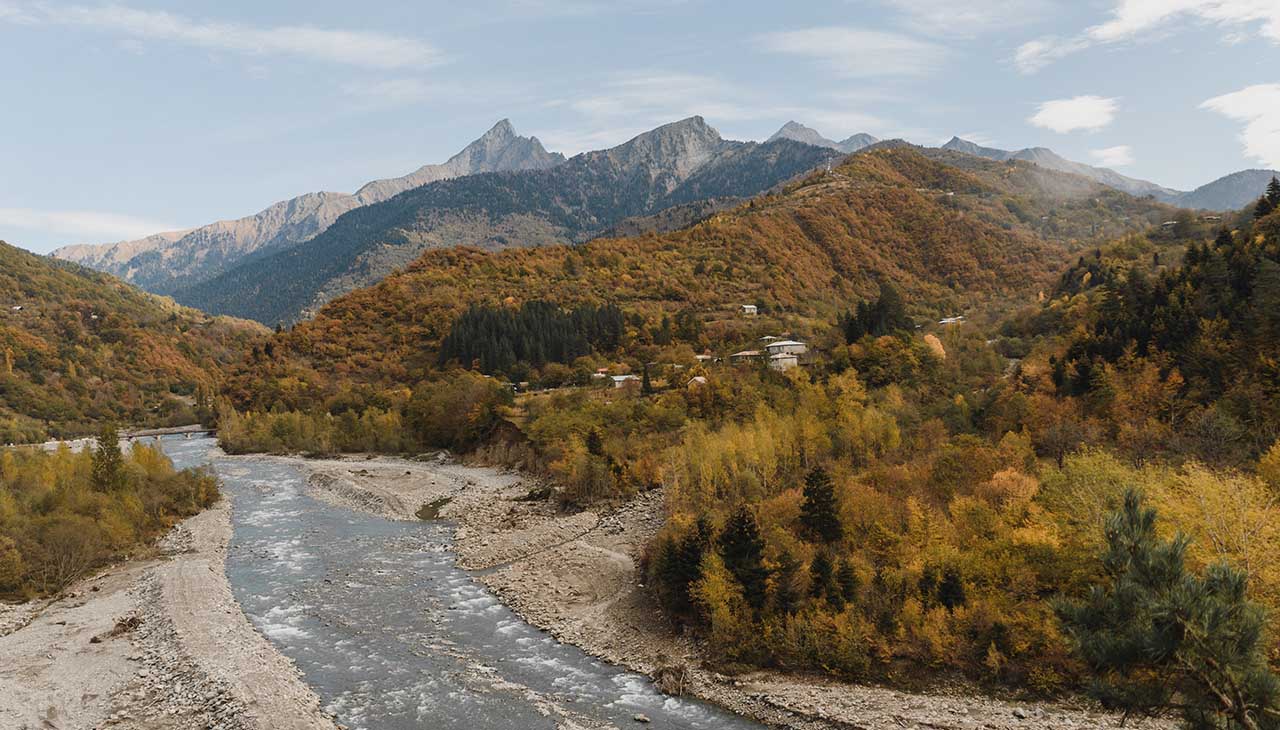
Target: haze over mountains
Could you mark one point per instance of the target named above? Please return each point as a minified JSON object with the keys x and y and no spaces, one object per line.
{"x":504,"y":190}
{"x":165,"y":262}
{"x":675,"y":164}
{"x":1231,"y":192}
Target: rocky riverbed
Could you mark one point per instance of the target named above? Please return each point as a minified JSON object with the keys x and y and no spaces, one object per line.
{"x":574,"y":575}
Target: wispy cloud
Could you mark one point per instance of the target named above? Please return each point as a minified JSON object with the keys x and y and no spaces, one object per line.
{"x":1088,"y":113}
{"x":82,"y":224}
{"x":1259,"y":108}
{"x":858,"y":52}
{"x":347,"y":47}
{"x":1132,"y":19}
{"x":625,"y":105}
{"x":1117,"y":156}
{"x":973,"y":17}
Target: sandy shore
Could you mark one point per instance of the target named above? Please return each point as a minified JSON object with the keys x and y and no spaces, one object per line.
{"x":151,"y":644}
{"x":575,"y":576}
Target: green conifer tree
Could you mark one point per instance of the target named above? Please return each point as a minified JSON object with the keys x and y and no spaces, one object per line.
{"x":743,"y":552}
{"x":107,"y":474}
{"x":1158,"y":637}
{"x":818,"y":512}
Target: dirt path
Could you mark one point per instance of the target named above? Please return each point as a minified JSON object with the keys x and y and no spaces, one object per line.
{"x":156,"y":644}
{"x":575,"y":576}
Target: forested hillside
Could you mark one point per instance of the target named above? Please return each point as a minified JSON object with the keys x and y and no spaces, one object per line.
{"x":672,"y":165}
{"x":78,"y":347}
{"x":949,"y":239}
{"x":916,"y":499}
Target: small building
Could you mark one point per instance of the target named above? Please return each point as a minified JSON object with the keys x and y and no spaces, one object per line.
{"x":704,"y":358}
{"x":787,"y":347}
{"x":783,"y":361}
{"x":622,"y":381}
{"x":16,"y":307}
{"x":948,"y":321}
{"x":769,"y":338}
{"x":1168,"y":224}
{"x":749,"y":310}
{"x":746,"y":356}
{"x":1211,"y":218}
{"x":696,"y":381}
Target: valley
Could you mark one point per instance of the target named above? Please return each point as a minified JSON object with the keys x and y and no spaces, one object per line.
{"x":685,"y":432}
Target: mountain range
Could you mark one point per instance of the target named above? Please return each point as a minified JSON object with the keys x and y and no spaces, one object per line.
{"x":798,"y":132}
{"x":950,"y":236}
{"x":675,"y":164}
{"x":166,"y":262}
{"x":1231,"y":192}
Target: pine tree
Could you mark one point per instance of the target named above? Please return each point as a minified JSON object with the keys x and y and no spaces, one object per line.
{"x":847,"y":580}
{"x":743,"y":552}
{"x":821,"y":578}
{"x":786,"y":599}
{"x":818,"y":512}
{"x":594,"y":443}
{"x":107,"y":473}
{"x":1273,"y":192}
{"x":1263,"y":208}
{"x":1158,"y":637}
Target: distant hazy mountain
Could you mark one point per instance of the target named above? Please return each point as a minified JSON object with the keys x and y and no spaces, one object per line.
{"x":800,"y":133}
{"x":673,"y":165}
{"x":1231,"y":192}
{"x":1050,"y":159}
{"x":166,"y":262}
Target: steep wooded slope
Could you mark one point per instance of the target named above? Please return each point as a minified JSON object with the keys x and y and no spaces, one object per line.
{"x":946,"y":237}
{"x":78,"y":347}
{"x":672,"y":165}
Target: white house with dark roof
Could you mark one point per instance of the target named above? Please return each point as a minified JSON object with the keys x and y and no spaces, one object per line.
{"x":786,"y":347}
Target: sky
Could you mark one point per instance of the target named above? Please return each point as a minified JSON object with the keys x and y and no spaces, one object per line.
{"x":129,"y":118}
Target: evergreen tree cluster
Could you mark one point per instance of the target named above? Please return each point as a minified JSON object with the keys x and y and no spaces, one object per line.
{"x":885,"y":316}
{"x":1158,"y":637}
{"x":1215,"y":318}
{"x":495,"y":339}
{"x":1270,"y":201}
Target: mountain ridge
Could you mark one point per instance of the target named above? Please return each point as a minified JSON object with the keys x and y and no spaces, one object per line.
{"x":798,"y":132}
{"x":671,"y":165}
{"x":166,"y":262}
{"x":1229,"y":192}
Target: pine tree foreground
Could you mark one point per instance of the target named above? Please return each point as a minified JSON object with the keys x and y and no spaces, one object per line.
{"x":1158,"y":637}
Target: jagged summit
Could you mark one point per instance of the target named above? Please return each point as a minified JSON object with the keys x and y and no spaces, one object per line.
{"x":798,"y":132}
{"x":165,"y":262}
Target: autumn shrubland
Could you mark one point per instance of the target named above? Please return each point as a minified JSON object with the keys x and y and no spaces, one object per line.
{"x":64,"y":513}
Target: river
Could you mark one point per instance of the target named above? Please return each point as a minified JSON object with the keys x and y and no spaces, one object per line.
{"x":391,"y":634}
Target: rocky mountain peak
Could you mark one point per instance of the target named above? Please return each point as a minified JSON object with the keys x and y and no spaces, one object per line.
{"x":798,"y":132}
{"x":675,"y":150}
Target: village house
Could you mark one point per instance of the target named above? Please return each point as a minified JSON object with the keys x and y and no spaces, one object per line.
{"x":783,"y":361}
{"x":749,"y":310}
{"x":622,"y":381}
{"x":786,"y":347}
{"x":745,"y":356}
{"x":696,"y":381}
{"x":947,"y":321}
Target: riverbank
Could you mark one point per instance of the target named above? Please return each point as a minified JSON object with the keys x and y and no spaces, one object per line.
{"x":575,"y":577}
{"x":152,"y":644}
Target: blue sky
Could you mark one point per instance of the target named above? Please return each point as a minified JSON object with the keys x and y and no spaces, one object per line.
{"x":129,"y":118}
